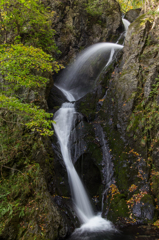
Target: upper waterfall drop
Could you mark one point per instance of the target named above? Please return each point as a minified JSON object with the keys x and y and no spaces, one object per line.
{"x":80,"y":77}
{"x":126,"y":24}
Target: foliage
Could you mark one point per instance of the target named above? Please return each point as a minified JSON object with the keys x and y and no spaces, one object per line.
{"x":19,"y":197}
{"x":15,"y":178}
{"x":26,"y":66}
{"x":21,"y":186}
{"x":156,"y":223}
{"x":136,"y":198}
{"x":130,"y":4}
{"x":17,"y":186}
{"x":25,"y":27}
{"x":23,"y":67}
{"x":28,"y":21}
{"x":113,"y":190}
{"x":96,"y":7}
{"x":132,"y":188}
{"x":34,"y":118}
{"x":146,"y":5}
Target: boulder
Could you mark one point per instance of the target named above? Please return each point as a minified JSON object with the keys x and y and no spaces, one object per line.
{"x":132,"y":14}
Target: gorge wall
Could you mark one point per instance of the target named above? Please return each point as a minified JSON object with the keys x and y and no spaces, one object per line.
{"x":118,"y":121}
{"x":118,"y":145}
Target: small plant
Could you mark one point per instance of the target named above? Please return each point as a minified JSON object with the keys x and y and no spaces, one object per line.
{"x":136,"y":198}
{"x":96,"y":7}
{"x":15,"y":190}
{"x":146,"y":115}
{"x":130,"y":4}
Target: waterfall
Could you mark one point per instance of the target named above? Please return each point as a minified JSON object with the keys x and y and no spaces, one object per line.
{"x":64,"y":119}
{"x":74,"y":83}
{"x":63,"y":126}
{"x":126,"y":24}
{"x":80,"y":77}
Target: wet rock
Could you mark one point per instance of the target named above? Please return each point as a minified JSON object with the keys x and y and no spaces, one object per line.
{"x":155,"y":156}
{"x":89,"y":173}
{"x":77,"y":29}
{"x":141,"y":232}
{"x":56,"y":98}
{"x":132,"y":14}
{"x":138,"y":66}
{"x":110,"y":106}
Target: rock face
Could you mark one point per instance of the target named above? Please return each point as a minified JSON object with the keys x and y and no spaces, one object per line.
{"x":132,"y":14}
{"x":47,"y":211}
{"x":116,"y":148}
{"x":76,"y":28}
{"x":119,"y":118}
{"x":128,"y":112}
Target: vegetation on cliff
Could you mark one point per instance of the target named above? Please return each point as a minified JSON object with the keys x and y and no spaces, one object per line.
{"x":97,"y":7}
{"x":132,"y":121}
{"x":146,"y":5}
{"x":26,"y":33}
{"x":27,"y":62}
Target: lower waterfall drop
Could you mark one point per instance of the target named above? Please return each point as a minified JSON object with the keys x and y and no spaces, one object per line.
{"x":90,"y":222}
{"x":63,"y":126}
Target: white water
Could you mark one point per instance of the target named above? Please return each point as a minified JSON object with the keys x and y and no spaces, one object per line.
{"x":94,"y":225}
{"x":76,"y":80}
{"x":67,"y":94}
{"x":126,"y":24}
{"x":111,"y":57}
{"x":64,"y":119}
{"x":63,"y":127}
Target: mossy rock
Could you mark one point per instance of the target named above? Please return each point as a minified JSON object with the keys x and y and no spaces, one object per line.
{"x":87,"y":106}
{"x":118,"y":208}
{"x":155,"y":187}
{"x":148,"y":199}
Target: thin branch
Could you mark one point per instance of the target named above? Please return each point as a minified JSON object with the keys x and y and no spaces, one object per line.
{"x":14,"y":169}
{"x":12,"y":122}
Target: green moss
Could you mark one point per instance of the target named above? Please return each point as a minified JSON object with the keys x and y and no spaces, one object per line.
{"x":148,"y":199}
{"x":88,"y":106}
{"x":118,"y":208}
{"x":118,"y":150}
{"x":96,"y":152}
{"x":36,"y":237}
{"x":22,"y":184}
{"x":155,"y":186}
{"x":138,"y":22}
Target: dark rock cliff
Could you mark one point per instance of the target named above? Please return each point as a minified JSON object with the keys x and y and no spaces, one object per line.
{"x":46,"y":209}
{"x":118,"y":154}
{"x":128,"y":115}
{"x":77,"y":29}
{"x":116,"y":133}
{"x":119,"y":133}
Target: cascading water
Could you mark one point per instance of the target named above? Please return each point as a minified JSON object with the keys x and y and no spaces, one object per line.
{"x":63,"y":126}
{"x":78,"y":79}
{"x":71,"y":86}
{"x":126,"y":24}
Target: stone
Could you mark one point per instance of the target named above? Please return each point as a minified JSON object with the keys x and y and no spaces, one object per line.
{"x":132,"y":14}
